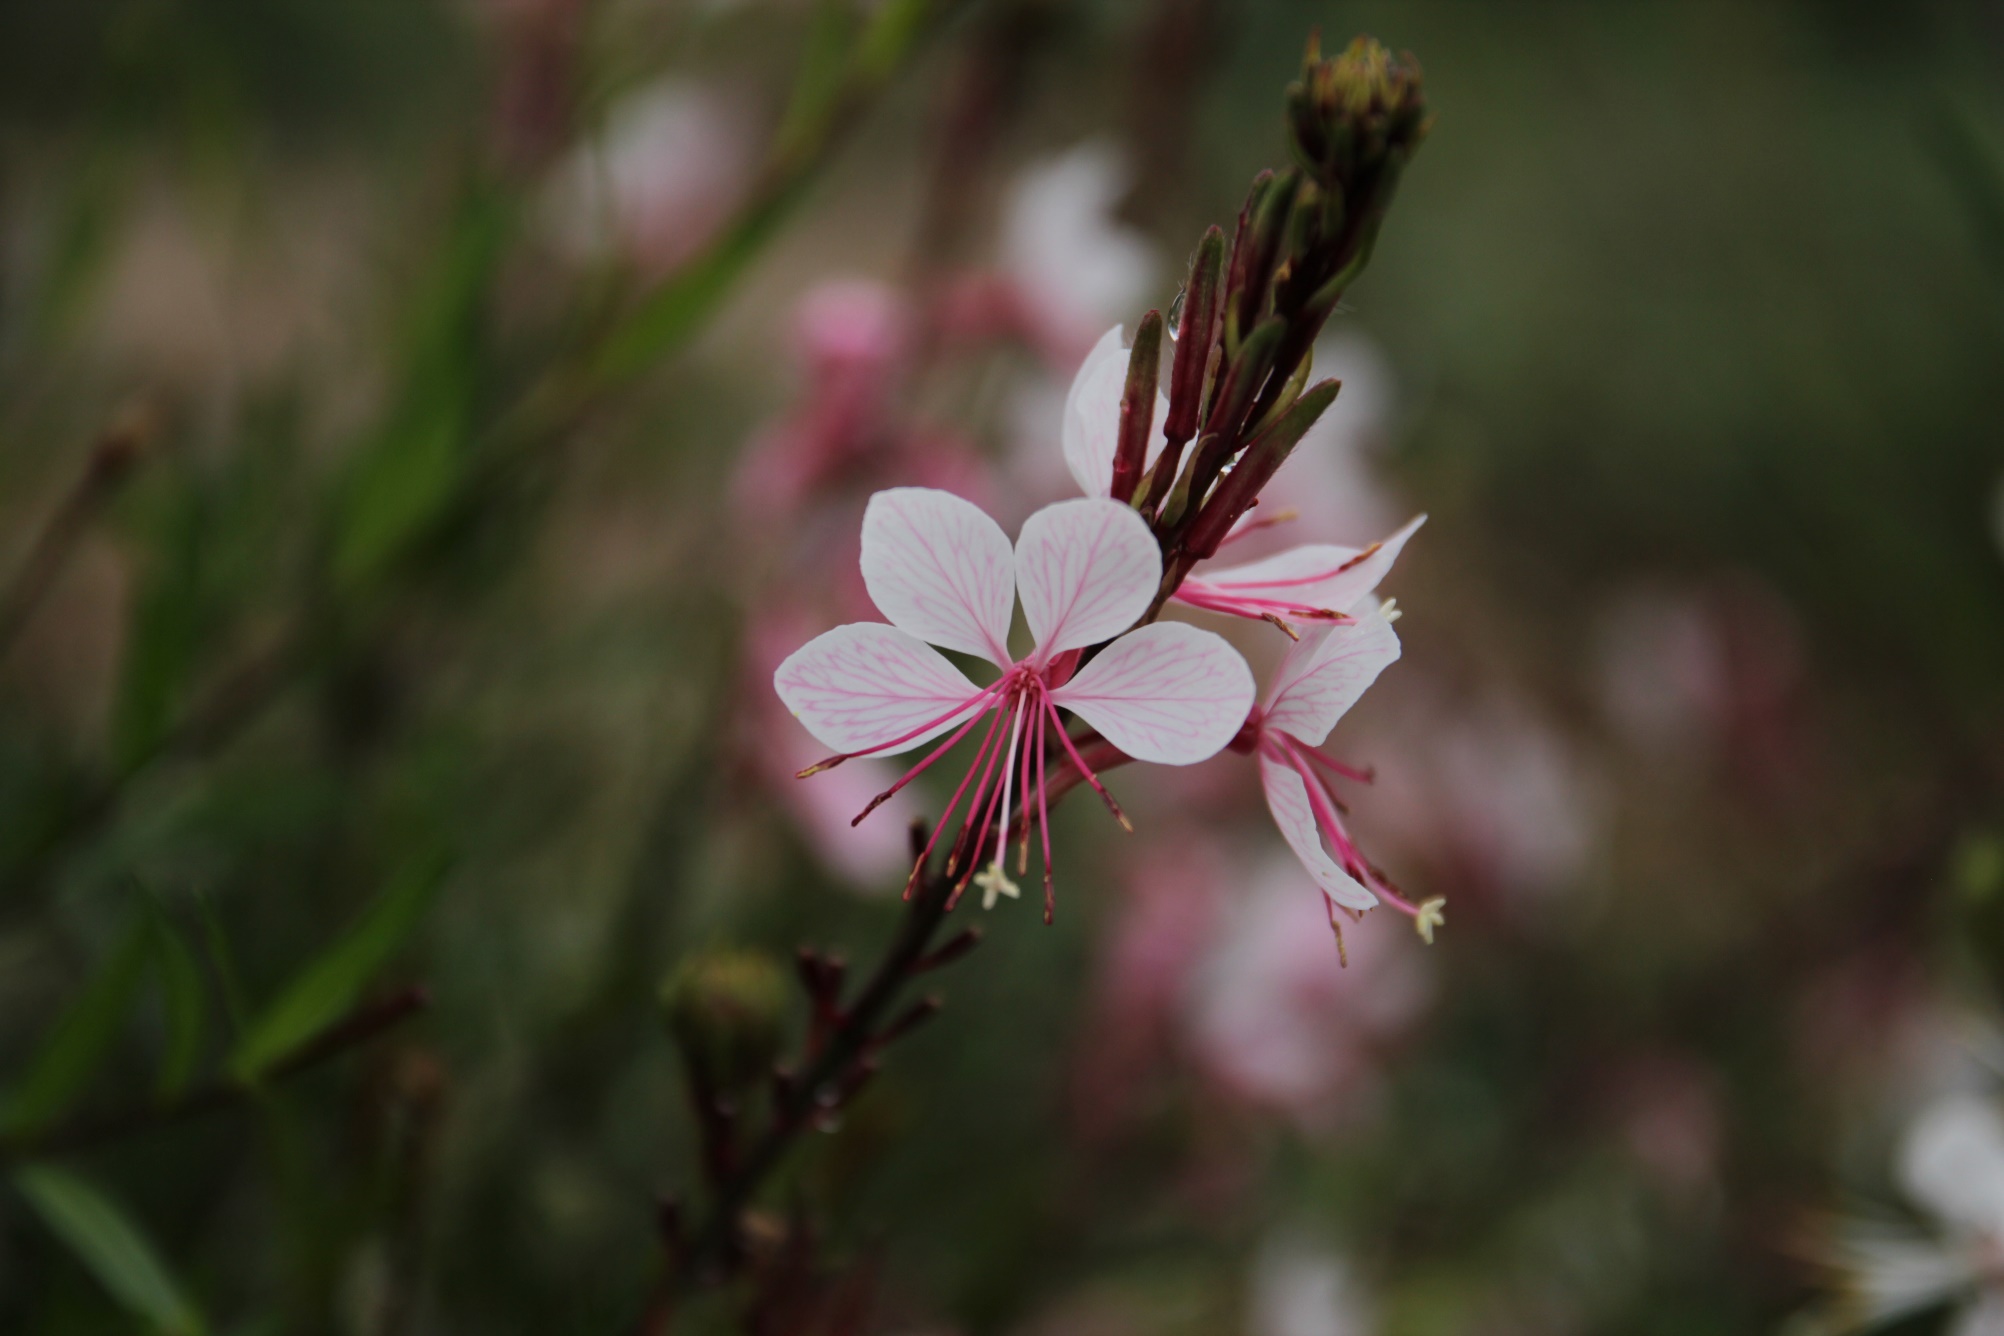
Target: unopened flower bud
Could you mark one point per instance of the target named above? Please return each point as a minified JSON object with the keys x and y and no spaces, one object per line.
{"x":725,"y":1010}
{"x":1353,"y":117}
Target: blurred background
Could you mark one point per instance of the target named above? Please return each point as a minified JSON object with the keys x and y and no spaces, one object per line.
{"x":423,"y":426}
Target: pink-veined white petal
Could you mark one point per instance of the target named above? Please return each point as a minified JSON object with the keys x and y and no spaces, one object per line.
{"x":1085,"y":570}
{"x":1287,"y":798}
{"x":1318,"y":575}
{"x":1323,"y":674}
{"x":1091,"y":429}
{"x":938,"y":567}
{"x":1167,"y":693}
{"x":867,"y":685}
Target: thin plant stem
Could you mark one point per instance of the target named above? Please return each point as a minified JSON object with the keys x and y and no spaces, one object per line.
{"x":111,"y":462}
{"x":358,"y":1027}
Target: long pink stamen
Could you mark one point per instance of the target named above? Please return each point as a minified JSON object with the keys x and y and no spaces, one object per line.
{"x":1216,"y":599}
{"x":979,"y":805}
{"x":916,"y":770}
{"x":1044,"y":814}
{"x":1346,"y":771}
{"x":1085,"y":771}
{"x":947,"y":814}
{"x":840,"y":757}
{"x":1332,"y":826}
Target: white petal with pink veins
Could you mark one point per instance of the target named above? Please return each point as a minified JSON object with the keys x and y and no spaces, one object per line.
{"x":938,"y":567}
{"x":1092,"y":415}
{"x":1287,"y":799}
{"x":1085,"y":570}
{"x":867,"y":685}
{"x":1321,"y":575}
{"x":1324,"y":673}
{"x":1167,"y":693}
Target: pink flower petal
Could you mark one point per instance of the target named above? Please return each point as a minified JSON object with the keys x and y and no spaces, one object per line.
{"x":1085,"y":570}
{"x":1325,"y":672}
{"x":938,"y":567}
{"x":866,"y":686}
{"x":1167,"y":693}
{"x":1092,"y":415}
{"x":1319,"y":575}
{"x":1287,"y":799}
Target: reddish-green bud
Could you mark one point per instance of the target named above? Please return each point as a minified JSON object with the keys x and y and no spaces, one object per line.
{"x":1351,"y":117}
{"x":1137,"y":406}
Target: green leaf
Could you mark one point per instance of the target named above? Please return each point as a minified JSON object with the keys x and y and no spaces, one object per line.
{"x":818,"y":80}
{"x":216,"y":945}
{"x":330,"y":985}
{"x":105,"y":1239}
{"x":405,"y":478}
{"x":837,"y":75}
{"x":167,"y":627}
{"x":675,"y":310}
{"x":181,"y":997}
{"x":80,"y":1038}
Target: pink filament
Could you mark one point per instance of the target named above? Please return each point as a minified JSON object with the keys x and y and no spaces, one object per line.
{"x":1332,"y":826}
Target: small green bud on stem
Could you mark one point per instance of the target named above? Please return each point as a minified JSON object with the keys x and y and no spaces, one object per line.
{"x":725,"y":1010}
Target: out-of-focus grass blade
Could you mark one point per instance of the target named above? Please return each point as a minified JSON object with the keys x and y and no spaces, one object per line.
{"x":1974,"y":170}
{"x":819,"y":81}
{"x":165,"y":635}
{"x":894,"y":29}
{"x":105,"y":1239}
{"x":837,"y":74}
{"x":330,"y":985}
{"x":679,"y":306}
{"x":91,"y":207}
{"x":409,"y":473}
{"x":223,"y":961}
{"x":181,"y":997}
{"x":78,"y":1041}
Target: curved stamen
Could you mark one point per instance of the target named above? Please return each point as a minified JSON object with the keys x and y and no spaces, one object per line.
{"x":831,"y":762}
{"x":1353,"y":861}
{"x":918,"y":867}
{"x":1058,"y":727}
{"x":1366,"y":775}
{"x":918,"y":769}
{"x":1044,"y":814}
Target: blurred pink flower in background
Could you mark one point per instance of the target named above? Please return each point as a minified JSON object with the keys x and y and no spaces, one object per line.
{"x":1488,"y":793}
{"x":1074,"y":267}
{"x":1709,"y":672}
{"x":1666,"y":1107}
{"x":847,"y":435}
{"x":670,"y":163}
{"x":852,"y":337}
{"x":1155,"y":936}
{"x":1277,"y":1023}
{"x":1068,"y":268}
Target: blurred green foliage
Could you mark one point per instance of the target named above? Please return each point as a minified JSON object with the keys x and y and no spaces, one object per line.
{"x":428,"y":555}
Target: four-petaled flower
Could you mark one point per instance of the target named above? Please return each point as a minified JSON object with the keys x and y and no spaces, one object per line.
{"x":1310,"y":583}
{"x":944,"y":574}
{"x":1322,"y":675}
